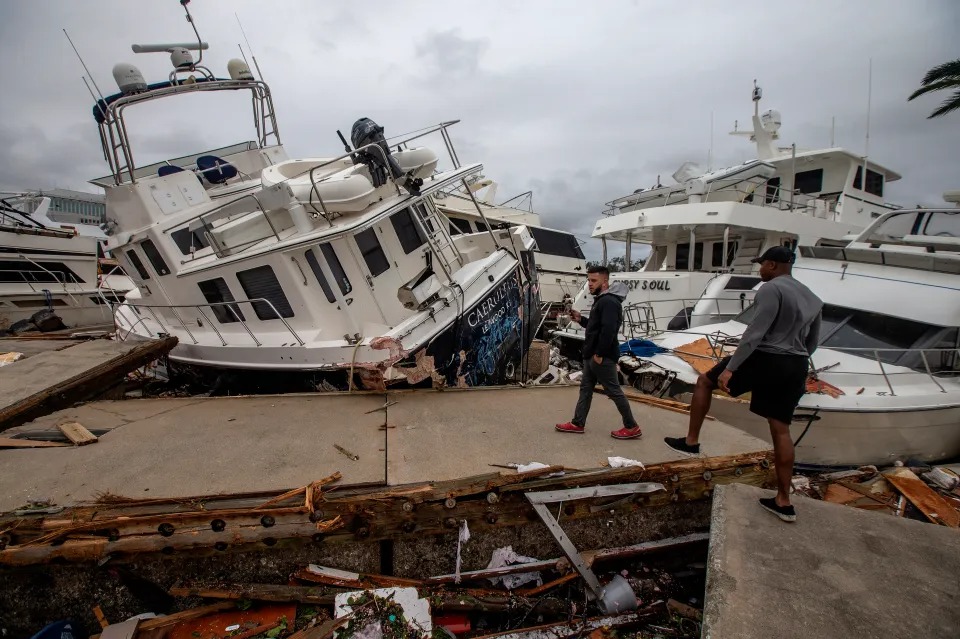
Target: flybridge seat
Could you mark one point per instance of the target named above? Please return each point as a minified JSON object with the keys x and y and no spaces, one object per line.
{"x":169,"y":169}
{"x":215,"y":170}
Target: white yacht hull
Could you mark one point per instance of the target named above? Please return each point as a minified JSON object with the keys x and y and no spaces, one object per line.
{"x":849,"y":438}
{"x":475,"y":342}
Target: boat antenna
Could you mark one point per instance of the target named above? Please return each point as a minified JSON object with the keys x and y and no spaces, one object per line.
{"x":833,"y":131}
{"x":866,"y":148}
{"x":84,"y":64}
{"x":200,"y":47}
{"x":710,"y":152}
{"x":249,"y":48}
{"x":243,"y":55}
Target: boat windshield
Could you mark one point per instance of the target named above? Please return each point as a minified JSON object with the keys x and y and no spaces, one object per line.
{"x":845,"y":328}
{"x":930,"y":223}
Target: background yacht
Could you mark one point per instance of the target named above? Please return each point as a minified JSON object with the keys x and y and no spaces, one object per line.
{"x":48,"y":266}
{"x":889,"y":357}
{"x":703,"y":231}
{"x":340,"y":266}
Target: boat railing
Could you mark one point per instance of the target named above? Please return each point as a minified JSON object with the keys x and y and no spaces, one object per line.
{"x":222,"y":248}
{"x":761,"y":194}
{"x":950,"y":360}
{"x":639,"y":319}
{"x":229,"y":307}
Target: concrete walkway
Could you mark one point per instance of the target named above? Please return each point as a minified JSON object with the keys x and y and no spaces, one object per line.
{"x":837,"y":572}
{"x":196,"y":446}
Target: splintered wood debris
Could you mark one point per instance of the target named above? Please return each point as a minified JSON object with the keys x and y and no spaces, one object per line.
{"x":896,"y":491}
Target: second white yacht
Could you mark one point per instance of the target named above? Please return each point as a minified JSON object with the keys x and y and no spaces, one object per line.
{"x":703,"y":231}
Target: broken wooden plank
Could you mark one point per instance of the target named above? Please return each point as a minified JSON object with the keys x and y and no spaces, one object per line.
{"x":101,"y":619}
{"x":177,"y":617}
{"x":9,"y":442}
{"x":928,"y":502}
{"x":53,"y":380}
{"x":346,"y":579}
{"x":258,"y":592}
{"x":684,"y":610}
{"x":76,"y":433}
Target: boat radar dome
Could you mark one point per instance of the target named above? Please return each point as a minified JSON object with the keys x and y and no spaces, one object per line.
{"x":771,"y":121}
{"x":180,"y":58}
{"x":129,"y":78}
{"x":239,"y":70}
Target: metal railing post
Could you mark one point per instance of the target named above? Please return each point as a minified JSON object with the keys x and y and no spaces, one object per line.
{"x":926,"y":365}
{"x":884,"y":372}
{"x":212,"y":325}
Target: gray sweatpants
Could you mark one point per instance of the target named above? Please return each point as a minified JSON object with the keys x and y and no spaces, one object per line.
{"x":606,"y":375}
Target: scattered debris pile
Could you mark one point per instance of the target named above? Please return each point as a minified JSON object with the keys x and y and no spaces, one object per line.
{"x":922,"y":493}
{"x":318,"y":602}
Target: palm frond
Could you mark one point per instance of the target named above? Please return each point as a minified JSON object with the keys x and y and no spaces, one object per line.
{"x":936,"y":86}
{"x":950,"y":104}
{"x":942,"y":72}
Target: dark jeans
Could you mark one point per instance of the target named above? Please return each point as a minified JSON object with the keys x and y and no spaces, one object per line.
{"x":606,"y":375}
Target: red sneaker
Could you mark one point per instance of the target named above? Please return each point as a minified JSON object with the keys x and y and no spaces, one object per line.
{"x":570,"y":428}
{"x":626,"y":433}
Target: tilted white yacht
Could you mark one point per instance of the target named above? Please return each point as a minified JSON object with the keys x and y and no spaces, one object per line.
{"x":342,"y":266}
{"x":46,"y":266}
{"x":703,"y":231}
{"x":889,"y":357}
{"x":561,"y":265}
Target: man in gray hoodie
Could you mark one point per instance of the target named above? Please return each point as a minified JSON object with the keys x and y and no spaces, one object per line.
{"x":601,"y":351}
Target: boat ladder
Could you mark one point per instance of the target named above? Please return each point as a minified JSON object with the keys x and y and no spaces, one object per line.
{"x":436,"y":228}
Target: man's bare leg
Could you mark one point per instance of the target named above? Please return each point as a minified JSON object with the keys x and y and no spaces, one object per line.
{"x":782,"y":459}
{"x":699,"y":407}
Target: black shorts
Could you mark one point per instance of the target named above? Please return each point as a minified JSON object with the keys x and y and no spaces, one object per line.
{"x":777,"y":382}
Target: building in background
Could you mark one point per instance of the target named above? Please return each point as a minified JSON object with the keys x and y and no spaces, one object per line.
{"x":70,"y":207}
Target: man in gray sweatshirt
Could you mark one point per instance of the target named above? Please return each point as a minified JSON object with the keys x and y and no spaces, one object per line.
{"x":771,"y":363}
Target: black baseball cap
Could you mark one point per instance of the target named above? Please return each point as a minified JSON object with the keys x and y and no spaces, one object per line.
{"x":779,"y":254}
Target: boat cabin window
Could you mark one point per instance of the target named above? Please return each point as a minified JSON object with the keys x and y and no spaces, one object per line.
{"x":407,"y":231}
{"x":34,"y":272}
{"x":741,"y":283}
{"x":216,"y":292}
{"x":481,"y":227}
{"x":262,"y":283}
{"x":808,"y":181}
{"x":463,"y":225}
{"x":683,"y":256}
{"x":188,"y":241}
{"x":372,"y":252}
{"x":318,"y":273}
{"x":556,"y":243}
{"x":773,"y":191}
{"x":844,"y":328}
{"x":716,"y":259}
{"x":155,"y":258}
{"x":874,"y":182}
{"x":137,"y":264}
{"x":336,"y":268}
{"x":942,"y":224}
{"x":895,"y":227}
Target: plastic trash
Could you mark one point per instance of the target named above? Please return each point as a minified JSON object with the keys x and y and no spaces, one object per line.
{"x":503,"y":557}
{"x":623,"y":462}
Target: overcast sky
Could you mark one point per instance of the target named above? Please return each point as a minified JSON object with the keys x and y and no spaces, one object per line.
{"x":579,"y":102}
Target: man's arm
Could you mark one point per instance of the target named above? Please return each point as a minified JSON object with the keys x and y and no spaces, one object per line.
{"x":768,"y":305}
{"x":609,"y":327}
{"x":813,"y":335}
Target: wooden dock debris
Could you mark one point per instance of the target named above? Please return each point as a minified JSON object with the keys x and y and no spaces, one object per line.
{"x":53,"y":380}
{"x":76,"y":433}
{"x":9,"y":442}
{"x":177,"y":617}
{"x":351,"y":514}
{"x":928,"y":502}
{"x":258,"y":592}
